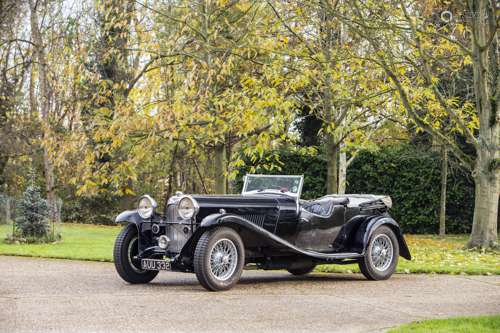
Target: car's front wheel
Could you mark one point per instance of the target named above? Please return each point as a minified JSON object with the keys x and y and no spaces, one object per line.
{"x":219,"y":258}
{"x":381,"y":255}
{"x":126,"y":249}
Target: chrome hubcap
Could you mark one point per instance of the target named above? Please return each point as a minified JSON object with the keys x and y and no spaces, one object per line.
{"x":223,"y":259}
{"x":381,"y":253}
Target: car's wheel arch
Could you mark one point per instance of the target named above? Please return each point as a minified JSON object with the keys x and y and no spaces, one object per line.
{"x":190,"y":246}
{"x":370,"y":225}
{"x":123,"y":224}
{"x":246,"y":229}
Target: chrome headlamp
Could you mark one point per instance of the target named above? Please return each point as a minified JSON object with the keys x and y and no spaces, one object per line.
{"x":187,"y":207}
{"x":146,"y":206}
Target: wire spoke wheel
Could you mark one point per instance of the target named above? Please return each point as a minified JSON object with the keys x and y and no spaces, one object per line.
{"x":381,"y":252}
{"x":223,"y":259}
{"x":219,"y":258}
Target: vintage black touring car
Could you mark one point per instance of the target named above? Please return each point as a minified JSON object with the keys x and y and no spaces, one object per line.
{"x":268,"y":225}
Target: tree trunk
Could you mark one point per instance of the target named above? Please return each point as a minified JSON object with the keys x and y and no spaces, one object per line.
{"x":332,"y":152}
{"x":442,"y":202}
{"x":342,"y":169}
{"x":5,"y":107}
{"x":219,"y":168}
{"x":32,"y":94}
{"x":44,"y":108}
{"x":487,"y":92}
{"x":229,"y":154}
{"x":8,"y":218}
{"x":484,"y":225}
{"x":4,"y":159}
{"x":342,"y":154}
{"x":327,"y":41}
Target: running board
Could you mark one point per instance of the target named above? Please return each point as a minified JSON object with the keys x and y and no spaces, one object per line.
{"x":333,"y":256}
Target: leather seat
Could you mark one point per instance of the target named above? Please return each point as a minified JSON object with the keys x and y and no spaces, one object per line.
{"x":340,"y":201}
{"x":324,"y":206}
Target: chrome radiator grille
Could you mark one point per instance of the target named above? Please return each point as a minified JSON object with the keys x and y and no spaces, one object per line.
{"x":177,"y":236}
{"x":172,"y":213}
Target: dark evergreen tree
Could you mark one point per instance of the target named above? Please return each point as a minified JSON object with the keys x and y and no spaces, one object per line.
{"x":32,"y":214}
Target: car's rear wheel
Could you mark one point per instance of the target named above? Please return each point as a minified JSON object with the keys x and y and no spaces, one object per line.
{"x":125,"y":251}
{"x":219,"y":258}
{"x":302,"y":270}
{"x":381,"y":255}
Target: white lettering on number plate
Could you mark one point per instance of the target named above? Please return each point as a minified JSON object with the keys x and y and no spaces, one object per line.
{"x":155,"y":265}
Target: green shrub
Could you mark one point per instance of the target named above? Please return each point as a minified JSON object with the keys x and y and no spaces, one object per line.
{"x":92,"y":210}
{"x":32,"y":215}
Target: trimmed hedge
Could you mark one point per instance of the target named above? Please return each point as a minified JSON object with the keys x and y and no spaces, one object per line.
{"x":411,"y":176}
{"x":94,"y":210}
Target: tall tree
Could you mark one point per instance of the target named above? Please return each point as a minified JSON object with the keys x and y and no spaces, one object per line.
{"x":483,"y":23}
{"x":415,"y":53}
{"x":44,"y":102}
{"x":14,"y":62}
{"x":341,"y":89}
{"x":231,"y":91}
{"x":107,"y":81}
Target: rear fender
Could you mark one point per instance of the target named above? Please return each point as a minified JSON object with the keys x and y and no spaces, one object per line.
{"x":377,"y":221}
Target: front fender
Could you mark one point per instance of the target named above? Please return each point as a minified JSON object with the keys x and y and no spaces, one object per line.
{"x":211,"y":220}
{"x":232,"y":220}
{"x":378,"y":221}
{"x":129,"y":216}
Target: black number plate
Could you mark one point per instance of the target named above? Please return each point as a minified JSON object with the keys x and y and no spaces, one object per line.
{"x":155,"y":265}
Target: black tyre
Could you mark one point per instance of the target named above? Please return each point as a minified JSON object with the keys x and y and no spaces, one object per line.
{"x":301,"y":270}
{"x":219,"y":258}
{"x":381,"y":255}
{"x":126,"y":247}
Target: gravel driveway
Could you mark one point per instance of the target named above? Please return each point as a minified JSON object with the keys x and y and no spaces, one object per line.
{"x":43,"y":295}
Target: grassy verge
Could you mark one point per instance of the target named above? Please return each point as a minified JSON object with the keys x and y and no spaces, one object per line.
{"x":483,"y":324}
{"x":431,"y":254}
{"x":79,"y":241}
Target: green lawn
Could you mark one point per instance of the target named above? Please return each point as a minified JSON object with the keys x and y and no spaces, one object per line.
{"x":79,"y":241}
{"x":484,"y":324}
{"x":431,"y":254}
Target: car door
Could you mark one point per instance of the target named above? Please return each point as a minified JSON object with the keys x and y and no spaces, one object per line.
{"x":317,"y":232}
